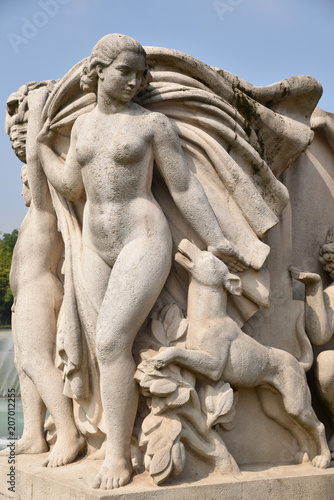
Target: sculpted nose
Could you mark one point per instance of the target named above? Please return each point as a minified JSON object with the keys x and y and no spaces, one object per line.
{"x":132,"y":82}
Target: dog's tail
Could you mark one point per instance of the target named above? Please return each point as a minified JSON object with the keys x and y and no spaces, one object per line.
{"x":306,"y":357}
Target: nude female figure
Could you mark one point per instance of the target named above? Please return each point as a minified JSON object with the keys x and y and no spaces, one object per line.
{"x":127,"y":246}
{"x":38,"y":294}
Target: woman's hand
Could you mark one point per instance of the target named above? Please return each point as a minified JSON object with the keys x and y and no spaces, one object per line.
{"x":46,"y":135}
{"x":226,"y":252}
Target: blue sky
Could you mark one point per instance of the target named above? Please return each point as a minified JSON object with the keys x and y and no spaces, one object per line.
{"x":262,"y":41}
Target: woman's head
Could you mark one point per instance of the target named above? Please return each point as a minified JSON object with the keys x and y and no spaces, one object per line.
{"x":104,"y":53}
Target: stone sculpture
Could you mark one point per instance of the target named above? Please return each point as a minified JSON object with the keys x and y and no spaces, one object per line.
{"x":136,"y":150}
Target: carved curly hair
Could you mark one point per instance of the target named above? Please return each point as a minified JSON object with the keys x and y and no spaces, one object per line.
{"x":105,"y":52}
{"x":327,"y":253}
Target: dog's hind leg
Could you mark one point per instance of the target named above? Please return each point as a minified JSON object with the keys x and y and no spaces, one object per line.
{"x":290,"y":381}
{"x":272,"y":405}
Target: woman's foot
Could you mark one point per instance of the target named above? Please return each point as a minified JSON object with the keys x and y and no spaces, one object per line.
{"x":113,"y":474}
{"x":64,"y":451}
{"x":28,"y":446}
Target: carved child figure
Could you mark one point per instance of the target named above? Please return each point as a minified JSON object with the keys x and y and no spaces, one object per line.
{"x":320,"y":322}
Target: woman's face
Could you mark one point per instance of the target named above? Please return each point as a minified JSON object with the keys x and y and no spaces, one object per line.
{"x":122,"y":78}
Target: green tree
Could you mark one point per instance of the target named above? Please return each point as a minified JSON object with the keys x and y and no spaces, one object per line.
{"x":7,"y":243}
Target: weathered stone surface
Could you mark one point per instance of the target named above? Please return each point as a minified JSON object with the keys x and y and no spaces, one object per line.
{"x":169,"y":228}
{"x":263,"y":481}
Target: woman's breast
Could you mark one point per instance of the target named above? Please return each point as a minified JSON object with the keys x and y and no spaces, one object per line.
{"x":125,"y":150}
{"x":117,"y":147}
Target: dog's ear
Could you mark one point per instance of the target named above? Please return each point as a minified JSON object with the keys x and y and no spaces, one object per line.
{"x":233,"y":284}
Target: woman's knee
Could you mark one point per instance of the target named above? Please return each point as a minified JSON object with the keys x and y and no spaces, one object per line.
{"x":112,"y":345}
{"x":35,"y":365}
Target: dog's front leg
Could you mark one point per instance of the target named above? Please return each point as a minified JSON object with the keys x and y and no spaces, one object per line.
{"x":195,"y":360}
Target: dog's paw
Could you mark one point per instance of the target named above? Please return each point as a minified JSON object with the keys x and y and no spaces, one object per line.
{"x":151,"y":364}
{"x":322,"y":461}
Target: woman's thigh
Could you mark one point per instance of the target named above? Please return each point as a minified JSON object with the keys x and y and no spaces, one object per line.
{"x":96,"y":274}
{"x":135,"y":283}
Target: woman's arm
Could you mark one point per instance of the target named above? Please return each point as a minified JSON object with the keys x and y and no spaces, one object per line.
{"x":65,"y":177}
{"x":189,"y":195}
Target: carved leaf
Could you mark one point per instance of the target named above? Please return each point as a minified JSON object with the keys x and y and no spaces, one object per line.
{"x":159,"y":441}
{"x":181,"y":331}
{"x":147,"y":354}
{"x":146,"y":381}
{"x":163,"y":312}
{"x":150,"y":423}
{"x":188,"y":376}
{"x":146,"y":393}
{"x":143,"y":439}
{"x":138,"y":376}
{"x":160,"y":461}
{"x":158,"y":332}
{"x":178,"y":458}
{"x":179,"y":397}
{"x":148,"y":374}
{"x":158,"y":405}
{"x":174,"y":370}
{"x":147,"y":461}
{"x":171,"y":427}
{"x":163,"y":387}
{"x":226,"y":421}
{"x":172,"y":323}
{"x":163,"y":475}
{"x":218,"y":400}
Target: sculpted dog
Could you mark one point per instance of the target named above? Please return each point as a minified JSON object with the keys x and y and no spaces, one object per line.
{"x":218,"y":349}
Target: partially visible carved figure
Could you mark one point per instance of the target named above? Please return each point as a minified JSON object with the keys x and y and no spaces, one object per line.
{"x":38,"y":293}
{"x":319,"y":320}
{"x":218,"y":349}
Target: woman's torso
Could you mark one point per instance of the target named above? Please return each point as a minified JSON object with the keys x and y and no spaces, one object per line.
{"x":116,"y":156}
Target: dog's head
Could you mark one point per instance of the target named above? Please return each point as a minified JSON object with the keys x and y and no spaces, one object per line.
{"x":206,"y":268}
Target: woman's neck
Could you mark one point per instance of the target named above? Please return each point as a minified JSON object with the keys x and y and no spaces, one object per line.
{"x":109,"y":106}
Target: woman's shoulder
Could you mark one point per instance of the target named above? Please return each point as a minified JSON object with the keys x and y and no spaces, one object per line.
{"x":80,"y":123}
{"x":148,"y":114}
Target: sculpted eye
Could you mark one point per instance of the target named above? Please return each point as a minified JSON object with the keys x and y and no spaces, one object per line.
{"x":124,"y":70}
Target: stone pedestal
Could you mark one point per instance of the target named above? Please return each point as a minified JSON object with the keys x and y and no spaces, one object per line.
{"x":261,"y":481}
